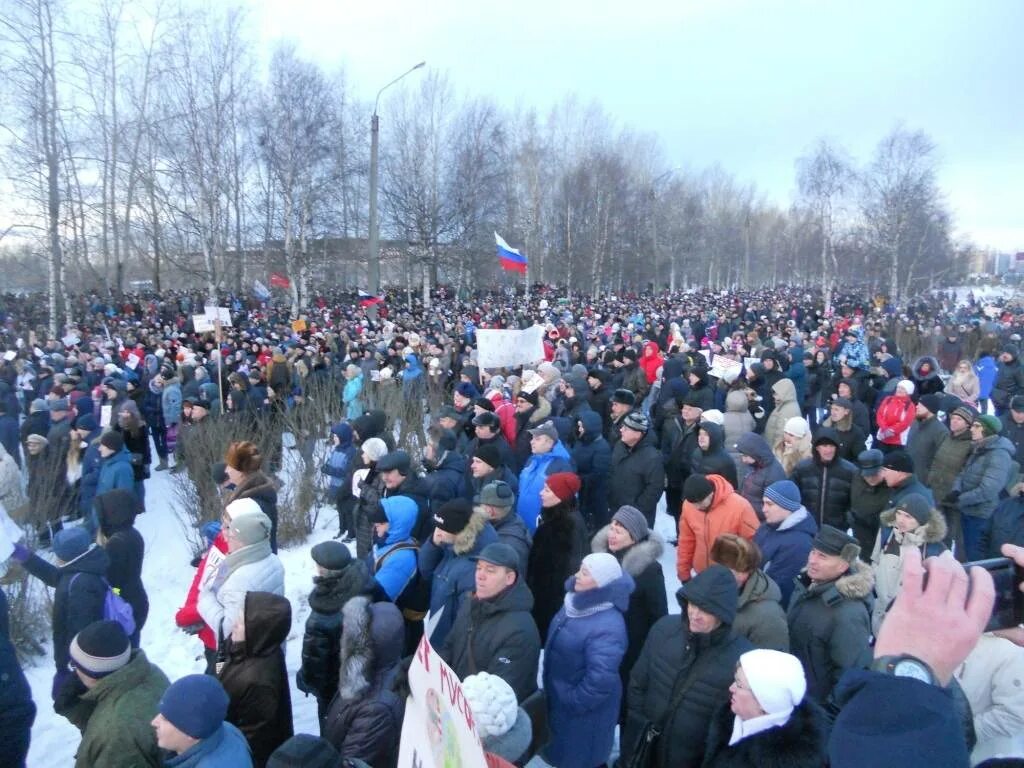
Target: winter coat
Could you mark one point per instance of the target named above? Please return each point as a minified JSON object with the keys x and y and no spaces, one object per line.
{"x":647,"y":602}
{"x":525,"y":422}
{"x":226,"y":748}
{"x":991,"y":677}
{"x":1009,"y":381}
{"x":170,"y":402}
{"x":759,"y":614}
{"x":498,"y":636}
{"x":850,"y":437}
{"x":322,"y":641}
{"x":393,"y":563}
{"x":17,"y":710}
{"x":365,"y":718}
{"x":559,"y":546}
{"x":255,"y":676}
{"x":10,"y":438}
{"x":887,"y":557}
{"x":736,"y":421}
{"x":987,"y":370}
{"x":351,"y":397}
{"x":220,"y":603}
{"x":866,"y":504}
{"x":784,"y":549}
{"x":949,"y":460}
{"x":894,"y":417}
{"x":729,"y":513}
{"x":592,"y":456}
{"x":450,"y":570}
{"x":701,"y":668}
{"x":80,"y":590}
{"x":581,"y":674}
{"x":801,"y":742}
{"x":854,"y":353}
{"x":715,"y":460}
{"x":125,"y":547}
{"x":533,"y":477}
{"x":825,"y":488}
{"x":114,"y":717}
{"x":11,"y":495}
{"x":116,"y":472}
{"x":511,"y":530}
{"x":338,"y":466}
{"x":637,"y":477}
{"x":926,"y":383}
{"x":1013,"y":432}
{"x":1007,"y":527}
{"x":787,"y":407}
{"x":984,"y":476}
{"x":829,"y":626}
{"x":765,"y":471}
{"x":188,"y":614}
{"x":678,"y":443}
{"x":923,"y":441}
{"x":261,"y":489}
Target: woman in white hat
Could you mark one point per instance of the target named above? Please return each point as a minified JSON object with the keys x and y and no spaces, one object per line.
{"x":768,"y":721}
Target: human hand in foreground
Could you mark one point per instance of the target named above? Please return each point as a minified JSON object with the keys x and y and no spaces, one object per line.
{"x":941,"y":601}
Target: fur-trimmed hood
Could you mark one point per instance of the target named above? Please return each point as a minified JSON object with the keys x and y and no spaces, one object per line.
{"x":371,"y":642}
{"x":541,"y":413}
{"x":856,"y":584}
{"x":466,"y":539}
{"x":933,"y":531}
{"x":635,"y":559}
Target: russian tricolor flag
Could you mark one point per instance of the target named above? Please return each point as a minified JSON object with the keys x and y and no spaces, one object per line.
{"x":368,"y":299}
{"x":511,"y":259}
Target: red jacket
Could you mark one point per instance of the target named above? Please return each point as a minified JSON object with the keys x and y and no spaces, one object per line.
{"x":894,"y":417}
{"x":651,"y":361}
{"x":188,"y":614}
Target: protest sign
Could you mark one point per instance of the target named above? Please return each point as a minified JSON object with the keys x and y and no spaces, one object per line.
{"x":722,"y":364}
{"x":439,"y":730}
{"x":748,"y":362}
{"x":508,"y":349}
{"x":202,"y":323}
{"x":10,"y":534}
{"x":219,"y":313}
{"x":106,"y":412}
{"x":298,"y":325}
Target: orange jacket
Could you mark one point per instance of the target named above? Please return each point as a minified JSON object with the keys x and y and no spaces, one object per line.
{"x":729,"y":513}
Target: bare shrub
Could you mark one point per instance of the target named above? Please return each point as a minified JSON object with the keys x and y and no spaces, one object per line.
{"x":30,"y":606}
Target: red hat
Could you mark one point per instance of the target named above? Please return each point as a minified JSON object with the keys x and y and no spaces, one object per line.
{"x":564,"y":485}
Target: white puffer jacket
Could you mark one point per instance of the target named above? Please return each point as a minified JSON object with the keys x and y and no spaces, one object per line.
{"x":992,"y":677}
{"x":223,"y":607}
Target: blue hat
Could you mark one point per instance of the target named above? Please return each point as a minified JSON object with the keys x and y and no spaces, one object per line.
{"x":70,"y":543}
{"x":785,"y":494}
{"x":196,"y":705}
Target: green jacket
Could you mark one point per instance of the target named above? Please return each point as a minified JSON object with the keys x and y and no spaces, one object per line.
{"x":114,"y":717}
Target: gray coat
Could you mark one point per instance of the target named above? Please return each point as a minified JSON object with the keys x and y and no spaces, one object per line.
{"x":760,"y":617}
{"x":984,"y":476}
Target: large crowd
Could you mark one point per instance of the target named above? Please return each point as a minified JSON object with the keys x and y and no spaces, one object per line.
{"x":827,"y":470}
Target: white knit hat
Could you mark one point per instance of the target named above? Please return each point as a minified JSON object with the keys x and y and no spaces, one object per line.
{"x":241,"y":507}
{"x":493,"y":703}
{"x":713,"y":415}
{"x":776,"y":679}
{"x":603,"y":568}
{"x":907,"y":386}
{"x":375,"y":448}
{"x":796,"y":426}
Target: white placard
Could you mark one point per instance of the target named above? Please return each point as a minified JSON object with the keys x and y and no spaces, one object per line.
{"x":202,"y":323}
{"x":722,"y":364}
{"x":219,"y":313}
{"x":10,"y":534}
{"x":133,"y":361}
{"x":439,"y":730}
{"x":501,"y":348}
{"x":71,"y":339}
{"x":748,"y":362}
{"x":9,"y":355}
{"x":106,"y":411}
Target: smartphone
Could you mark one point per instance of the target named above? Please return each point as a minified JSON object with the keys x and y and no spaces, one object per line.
{"x":1008,"y":610}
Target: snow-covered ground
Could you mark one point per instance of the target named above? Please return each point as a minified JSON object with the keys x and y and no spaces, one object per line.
{"x":167,"y":574}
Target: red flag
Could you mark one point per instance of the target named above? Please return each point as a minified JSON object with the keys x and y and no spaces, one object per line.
{"x":277,"y":280}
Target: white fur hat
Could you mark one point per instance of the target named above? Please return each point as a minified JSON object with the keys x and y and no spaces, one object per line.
{"x":493,"y":703}
{"x":776,"y":679}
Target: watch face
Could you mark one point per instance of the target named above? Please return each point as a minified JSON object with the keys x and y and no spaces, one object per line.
{"x":911,"y":668}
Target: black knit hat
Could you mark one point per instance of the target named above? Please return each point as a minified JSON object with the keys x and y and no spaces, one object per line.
{"x":697,"y":488}
{"x":101,"y":649}
{"x":112,"y":440}
{"x":624,"y":397}
{"x":453,"y":515}
{"x":331,"y":555}
{"x":531,"y":397}
{"x":489,"y":454}
{"x":305,"y":750}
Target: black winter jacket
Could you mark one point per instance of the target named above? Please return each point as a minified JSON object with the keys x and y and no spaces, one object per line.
{"x":703,"y":665}
{"x":866,"y":504}
{"x":825,"y":488}
{"x":559,"y":546}
{"x":498,"y":636}
{"x":637,"y":477}
{"x":802,"y":742}
{"x":592,"y":456}
{"x":715,"y":460}
{"x":125,"y":547}
{"x":1006,"y":527}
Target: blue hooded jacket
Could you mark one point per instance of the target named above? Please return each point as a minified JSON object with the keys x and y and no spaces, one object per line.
{"x":116,"y":472}
{"x":394,"y":571}
{"x":533,"y":477}
{"x":338,"y":461}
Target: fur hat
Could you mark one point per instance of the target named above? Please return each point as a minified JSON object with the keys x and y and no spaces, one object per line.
{"x":244,"y":457}
{"x":736,"y":553}
{"x":832,"y":541}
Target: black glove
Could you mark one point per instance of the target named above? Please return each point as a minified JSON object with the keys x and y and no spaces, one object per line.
{"x":67,"y":692}
{"x":952,"y":497}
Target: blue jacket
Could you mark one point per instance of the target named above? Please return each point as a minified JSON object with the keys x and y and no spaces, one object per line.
{"x":986,"y":369}
{"x":895,"y":722}
{"x":785,"y":547}
{"x":116,"y":472}
{"x":10,"y":436}
{"x":339,"y":460}
{"x":170,"y":402}
{"x":593,"y":459}
{"x":797,"y":373}
{"x":581,"y":676}
{"x":533,"y":477}
{"x":17,"y":711}
{"x":227,"y":748}
{"x":394,"y":572}
{"x":451,"y":571}
{"x":90,"y":473}
{"x":351,"y":397}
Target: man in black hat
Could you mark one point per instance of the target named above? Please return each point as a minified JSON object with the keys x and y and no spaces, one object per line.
{"x":949,"y":460}
{"x":487,"y":429}
{"x":486,"y":466}
{"x":869,"y":495}
{"x":494,"y":630}
{"x":1009,"y":379}
{"x":898,"y":474}
{"x":829,"y":612}
{"x":395,"y":472}
{"x":621,"y":404}
{"x":678,"y":444}
{"x":927,"y":432}
{"x":849,"y":436}
{"x":531,"y":411}
{"x":637,"y":476}
{"x":600,"y":396}
{"x":1013,"y":425}
{"x":824,"y":480}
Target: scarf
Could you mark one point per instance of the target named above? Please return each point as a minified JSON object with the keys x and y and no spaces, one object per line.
{"x":741,"y":729}
{"x":573,"y":612}
{"x":235,"y":560}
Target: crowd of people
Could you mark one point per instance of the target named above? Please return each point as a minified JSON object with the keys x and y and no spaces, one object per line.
{"x":815,"y":462}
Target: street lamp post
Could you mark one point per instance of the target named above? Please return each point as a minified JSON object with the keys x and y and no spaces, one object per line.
{"x":374,"y":258}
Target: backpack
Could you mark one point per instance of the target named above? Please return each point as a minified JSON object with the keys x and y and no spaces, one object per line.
{"x":115,"y":607}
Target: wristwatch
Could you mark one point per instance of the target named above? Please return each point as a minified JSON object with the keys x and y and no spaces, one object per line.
{"x":904,"y":666}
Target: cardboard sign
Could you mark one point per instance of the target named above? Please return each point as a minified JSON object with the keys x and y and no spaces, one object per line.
{"x":298,"y":325}
{"x":748,"y":362}
{"x":219,"y":313}
{"x":106,"y":412}
{"x":133,"y":361}
{"x":508,"y":349}
{"x":202,"y":323}
{"x":439,"y":730}
{"x":723,"y":364}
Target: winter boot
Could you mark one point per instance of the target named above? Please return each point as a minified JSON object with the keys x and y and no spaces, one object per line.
{"x":162,"y":465}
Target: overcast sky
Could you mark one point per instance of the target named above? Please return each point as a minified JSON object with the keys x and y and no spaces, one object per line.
{"x":748,"y":84}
